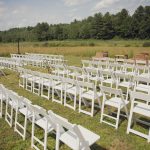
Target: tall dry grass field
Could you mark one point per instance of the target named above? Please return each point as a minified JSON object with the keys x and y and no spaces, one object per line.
{"x":81,"y":51}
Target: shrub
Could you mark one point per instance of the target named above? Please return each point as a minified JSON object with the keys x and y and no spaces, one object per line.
{"x":36,"y":45}
{"x":127,"y":45}
{"x":91,"y":44}
{"x":45,"y":44}
{"x":146,"y":44}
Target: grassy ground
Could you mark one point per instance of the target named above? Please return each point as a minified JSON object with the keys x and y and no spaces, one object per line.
{"x":110,"y":138}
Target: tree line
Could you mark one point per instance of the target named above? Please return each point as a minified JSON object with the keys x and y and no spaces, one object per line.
{"x":107,"y":26}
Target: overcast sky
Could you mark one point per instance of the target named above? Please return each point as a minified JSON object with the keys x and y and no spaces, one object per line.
{"x":20,"y":13}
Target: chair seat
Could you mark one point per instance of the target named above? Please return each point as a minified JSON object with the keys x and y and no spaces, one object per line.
{"x":124,"y":84}
{"x":94,"y":78}
{"x":25,"y":75}
{"x":110,"y":81}
{"x":37,"y":80}
{"x":73,"y":90}
{"x":130,"y":73}
{"x":63,"y":72}
{"x":90,"y":94}
{"x":25,"y":111}
{"x":142,"y":109}
{"x":2,"y":97}
{"x":116,"y":102}
{"x":42,"y":123}
{"x":142,"y":87}
{"x":74,"y":74}
{"x":145,"y":75}
{"x":82,"y":76}
{"x":70,"y":139}
{"x":47,"y":83}
{"x":13,"y":104}
{"x":61,"y":87}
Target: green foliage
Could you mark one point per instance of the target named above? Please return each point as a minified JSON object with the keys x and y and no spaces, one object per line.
{"x":146,"y":44}
{"x":99,"y":26}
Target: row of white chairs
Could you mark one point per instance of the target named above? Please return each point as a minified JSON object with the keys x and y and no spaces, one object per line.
{"x":114,"y":98}
{"x":74,"y":136}
{"x":122,"y":60}
{"x":10,"y":63}
{"x":127,"y":80}
{"x":133,"y":68}
{"x":62,"y":90}
{"x":40,"y":60}
{"x":65,"y":87}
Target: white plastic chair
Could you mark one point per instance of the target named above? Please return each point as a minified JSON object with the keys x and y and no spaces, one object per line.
{"x":43,"y":121}
{"x":115,"y":101}
{"x":142,"y":84}
{"x":24,"y":111}
{"x":11,"y":106}
{"x":29,"y":81}
{"x":88,"y":95}
{"x":76,"y":137}
{"x":109,"y":78}
{"x":36,"y":83}
{"x":70,"y":92}
{"x":46,"y":85}
{"x":24,"y":74}
{"x":57,"y":89}
{"x":124,"y":81}
{"x":140,"y":104}
{"x":3,"y":97}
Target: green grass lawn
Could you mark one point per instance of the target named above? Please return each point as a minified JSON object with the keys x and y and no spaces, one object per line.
{"x":110,"y":138}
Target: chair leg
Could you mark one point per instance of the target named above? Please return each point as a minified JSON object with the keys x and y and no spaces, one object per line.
{"x":129,"y":122}
{"x":118,"y":116}
{"x":32,"y":136}
{"x":149,"y":135}
{"x":102,"y":111}
{"x":1,"y":108}
{"x":57,"y":137}
{"x":45,"y":140}
{"x":92,"y":109}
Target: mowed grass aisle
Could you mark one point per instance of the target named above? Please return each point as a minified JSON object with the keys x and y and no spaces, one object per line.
{"x":110,"y":138}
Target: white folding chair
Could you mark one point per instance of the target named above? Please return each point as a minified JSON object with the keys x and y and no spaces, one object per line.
{"x":93,"y":75}
{"x":115,"y":101}
{"x":129,"y":69}
{"x":83,"y":75}
{"x":109,"y":78}
{"x":46,"y":85}
{"x":22,"y":77}
{"x":74,"y":72}
{"x":142,"y":84}
{"x":140,"y":104}
{"x":124,"y":81}
{"x":75,"y":136}
{"x":143,"y":71}
{"x":11,"y":106}
{"x":70,"y":93}
{"x":36,"y":83}
{"x":24,"y":111}
{"x":42,"y":120}
{"x":3,"y":97}
{"x":57,"y":89}
{"x":88,"y":95}
{"x":29,"y":81}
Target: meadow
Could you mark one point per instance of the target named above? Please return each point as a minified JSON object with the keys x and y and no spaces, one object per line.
{"x":73,"y":51}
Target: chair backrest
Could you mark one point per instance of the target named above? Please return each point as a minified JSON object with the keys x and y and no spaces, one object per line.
{"x":117,"y":92}
{"x":140,"y":97}
{"x":141,"y":79}
{"x":85,"y":85}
